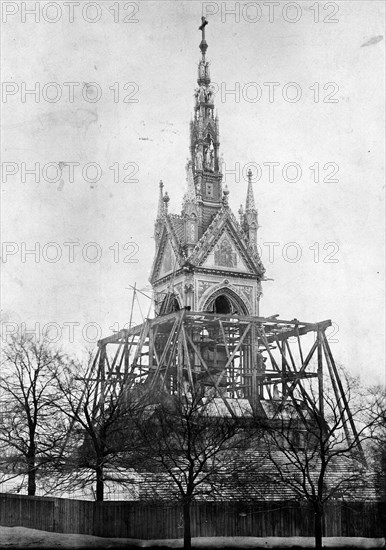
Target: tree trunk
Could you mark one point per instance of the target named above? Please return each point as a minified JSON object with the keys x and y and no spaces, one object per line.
{"x":187,"y":530}
{"x":318,"y":524}
{"x":99,"y":484}
{"x":31,"y":469}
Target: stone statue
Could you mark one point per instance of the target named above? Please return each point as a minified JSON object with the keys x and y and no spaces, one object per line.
{"x":221,"y":162}
{"x":211,"y":159}
{"x":207,"y":157}
{"x":209,"y":95}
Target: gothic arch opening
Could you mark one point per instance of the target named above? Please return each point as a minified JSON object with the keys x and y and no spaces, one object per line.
{"x":222,"y":305}
{"x":225,"y":302}
{"x":169,"y":304}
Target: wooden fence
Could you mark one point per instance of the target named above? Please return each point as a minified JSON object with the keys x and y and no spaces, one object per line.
{"x":128,"y":519}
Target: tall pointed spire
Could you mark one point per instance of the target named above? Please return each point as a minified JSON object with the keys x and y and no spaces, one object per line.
{"x":205,"y":143}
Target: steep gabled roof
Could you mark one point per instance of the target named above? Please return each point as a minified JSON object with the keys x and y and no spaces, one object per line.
{"x":178,"y":227}
{"x":171,"y":233}
{"x":226,"y":221}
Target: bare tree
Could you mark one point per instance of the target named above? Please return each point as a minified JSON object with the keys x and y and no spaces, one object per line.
{"x":377,"y":444}
{"x":30,"y":426}
{"x":185,"y":439}
{"x":99,"y":431}
{"x":314,"y":450}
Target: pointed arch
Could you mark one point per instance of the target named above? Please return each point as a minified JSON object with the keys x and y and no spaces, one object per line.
{"x":170,"y":303}
{"x":218,"y":299}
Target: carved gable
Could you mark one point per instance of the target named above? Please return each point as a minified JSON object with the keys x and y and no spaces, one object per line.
{"x":225,"y":247}
{"x":225,"y":255}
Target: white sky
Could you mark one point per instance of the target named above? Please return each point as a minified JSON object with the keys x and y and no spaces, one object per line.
{"x":159,"y":54}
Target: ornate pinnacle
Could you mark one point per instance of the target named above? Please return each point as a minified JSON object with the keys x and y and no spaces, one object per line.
{"x":160,"y":201}
{"x":166,"y":200}
{"x":191,"y":189}
{"x":250,"y":202}
{"x":226,"y":195}
{"x":241,"y":214}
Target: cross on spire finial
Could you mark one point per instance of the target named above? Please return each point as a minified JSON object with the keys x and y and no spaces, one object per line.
{"x":204,"y":22}
{"x":203,"y":45}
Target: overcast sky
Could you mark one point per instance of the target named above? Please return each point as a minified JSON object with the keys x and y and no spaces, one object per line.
{"x":145,"y":63}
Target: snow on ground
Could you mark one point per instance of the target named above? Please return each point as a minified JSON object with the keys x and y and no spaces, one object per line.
{"x":21,"y":537}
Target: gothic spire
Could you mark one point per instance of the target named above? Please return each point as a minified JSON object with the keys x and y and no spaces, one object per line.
{"x":204,"y":130}
{"x":204,"y":194}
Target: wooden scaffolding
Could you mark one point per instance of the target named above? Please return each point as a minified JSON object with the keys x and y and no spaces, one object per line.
{"x":259,"y":359}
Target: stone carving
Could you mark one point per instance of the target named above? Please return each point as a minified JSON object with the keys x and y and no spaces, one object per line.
{"x":189,"y":287}
{"x":209,"y":154}
{"x":192,"y":232}
{"x":203,"y":287}
{"x":209,"y":95}
{"x":198,"y":159}
{"x":247,"y":291}
{"x":224,"y":254}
